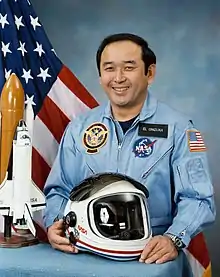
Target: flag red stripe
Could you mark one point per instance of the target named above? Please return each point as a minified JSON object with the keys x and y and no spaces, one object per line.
{"x":198,"y":249}
{"x":70,"y":80}
{"x":53,"y":118}
{"x":40,"y":169}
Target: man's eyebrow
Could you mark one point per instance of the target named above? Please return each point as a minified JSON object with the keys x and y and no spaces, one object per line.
{"x":107,"y":63}
{"x":130,"y":61}
{"x":125,"y":62}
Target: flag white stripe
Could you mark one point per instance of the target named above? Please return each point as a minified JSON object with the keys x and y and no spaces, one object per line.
{"x":66,"y":100}
{"x":44,"y":142}
{"x":197,"y":144}
{"x":196,"y":267}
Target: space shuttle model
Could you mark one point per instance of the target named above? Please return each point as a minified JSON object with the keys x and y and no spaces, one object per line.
{"x":19,"y":196}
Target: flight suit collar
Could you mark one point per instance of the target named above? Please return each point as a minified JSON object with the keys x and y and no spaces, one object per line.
{"x":148,"y":109}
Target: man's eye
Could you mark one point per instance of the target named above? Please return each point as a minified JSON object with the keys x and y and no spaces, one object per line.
{"x":109,"y":68}
{"x":129,"y":68}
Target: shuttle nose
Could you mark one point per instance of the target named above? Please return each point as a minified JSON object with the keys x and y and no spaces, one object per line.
{"x":22,"y":124}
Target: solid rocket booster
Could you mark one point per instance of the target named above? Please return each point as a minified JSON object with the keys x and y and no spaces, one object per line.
{"x":11,"y":108}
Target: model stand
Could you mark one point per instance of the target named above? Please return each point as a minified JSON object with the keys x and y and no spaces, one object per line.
{"x":21,"y":238}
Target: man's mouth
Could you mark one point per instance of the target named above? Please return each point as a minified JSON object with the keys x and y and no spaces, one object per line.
{"x":120,"y":89}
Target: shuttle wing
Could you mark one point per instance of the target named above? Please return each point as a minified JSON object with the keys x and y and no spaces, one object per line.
{"x":6,"y":194}
{"x":37,"y":198}
{"x":29,"y":220}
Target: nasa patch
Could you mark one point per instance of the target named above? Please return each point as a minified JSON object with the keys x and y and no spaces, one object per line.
{"x":143,"y":147}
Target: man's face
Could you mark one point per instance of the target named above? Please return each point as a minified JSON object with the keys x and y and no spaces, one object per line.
{"x":123,"y":74}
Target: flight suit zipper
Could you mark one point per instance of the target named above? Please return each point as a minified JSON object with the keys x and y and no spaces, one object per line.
{"x":195,"y":214}
{"x":192,"y":222}
{"x":144,"y":176}
{"x":118,"y":154}
{"x":120,"y":143}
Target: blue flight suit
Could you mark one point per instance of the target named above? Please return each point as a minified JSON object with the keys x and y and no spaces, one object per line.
{"x":162,"y":149}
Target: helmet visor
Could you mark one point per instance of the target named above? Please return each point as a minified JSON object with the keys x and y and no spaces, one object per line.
{"x":120,"y":216}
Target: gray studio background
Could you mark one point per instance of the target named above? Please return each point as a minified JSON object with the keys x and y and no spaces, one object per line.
{"x":185,"y":36}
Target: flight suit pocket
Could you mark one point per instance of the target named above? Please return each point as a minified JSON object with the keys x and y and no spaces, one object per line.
{"x":90,"y":168}
{"x":156,"y":162}
{"x":87,"y":168}
{"x":194,"y":176}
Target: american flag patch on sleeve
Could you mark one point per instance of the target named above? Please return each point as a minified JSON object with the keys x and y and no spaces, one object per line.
{"x":195,"y":141}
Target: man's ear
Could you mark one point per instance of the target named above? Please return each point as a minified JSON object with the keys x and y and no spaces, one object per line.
{"x":151,"y":73}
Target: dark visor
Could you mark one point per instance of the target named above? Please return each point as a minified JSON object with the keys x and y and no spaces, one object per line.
{"x":119,"y":217}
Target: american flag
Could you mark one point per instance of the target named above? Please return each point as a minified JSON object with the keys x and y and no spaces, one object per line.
{"x":196,"y":142}
{"x":58,"y":94}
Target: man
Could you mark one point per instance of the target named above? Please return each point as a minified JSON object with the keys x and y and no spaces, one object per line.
{"x":136,"y":135}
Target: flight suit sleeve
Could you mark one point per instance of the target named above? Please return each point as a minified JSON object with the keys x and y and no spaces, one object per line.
{"x":193,"y":196}
{"x":60,"y":180}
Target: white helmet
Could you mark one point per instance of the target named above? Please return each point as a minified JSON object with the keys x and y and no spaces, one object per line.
{"x":107,"y":214}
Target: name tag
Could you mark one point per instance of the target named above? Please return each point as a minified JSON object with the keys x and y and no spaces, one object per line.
{"x":153,"y":130}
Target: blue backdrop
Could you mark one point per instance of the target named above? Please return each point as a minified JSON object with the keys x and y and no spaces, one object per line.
{"x":185,"y":35}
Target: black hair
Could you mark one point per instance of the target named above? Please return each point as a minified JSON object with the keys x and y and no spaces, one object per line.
{"x":148,"y":55}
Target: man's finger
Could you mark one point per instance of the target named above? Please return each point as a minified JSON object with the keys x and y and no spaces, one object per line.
{"x":147,"y":250}
{"x":66,"y":248}
{"x":60,"y":232}
{"x":58,"y":224}
{"x":165,"y":258}
{"x":157,"y":256}
{"x":156,"y":249}
{"x":60,"y":240}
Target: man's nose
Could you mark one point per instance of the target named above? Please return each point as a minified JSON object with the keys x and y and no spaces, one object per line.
{"x":119,"y":76}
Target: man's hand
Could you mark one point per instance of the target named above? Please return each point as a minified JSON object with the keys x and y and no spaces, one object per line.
{"x":160,"y":249}
{"x":57,"y":239}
